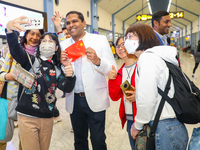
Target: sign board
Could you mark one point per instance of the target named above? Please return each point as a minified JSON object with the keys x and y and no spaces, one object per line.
{"x":145,"y":17}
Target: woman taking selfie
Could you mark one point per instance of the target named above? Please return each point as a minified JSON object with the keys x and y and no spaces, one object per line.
{"x":29,"y":42}
{"x":35,"y":106}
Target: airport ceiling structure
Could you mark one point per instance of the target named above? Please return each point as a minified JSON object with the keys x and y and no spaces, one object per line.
{"x":126,"y":10}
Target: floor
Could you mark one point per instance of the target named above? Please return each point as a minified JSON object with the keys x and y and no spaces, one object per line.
{"x":117,"y":139}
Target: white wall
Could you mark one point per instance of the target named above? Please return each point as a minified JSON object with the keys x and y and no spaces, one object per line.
{"x":35,"y":4}
{"x":79,"y":5}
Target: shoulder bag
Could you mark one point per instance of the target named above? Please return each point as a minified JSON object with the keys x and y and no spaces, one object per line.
{"x":23,"y":76}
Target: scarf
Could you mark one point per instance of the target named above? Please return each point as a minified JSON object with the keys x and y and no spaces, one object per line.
{"x":29,"y":49}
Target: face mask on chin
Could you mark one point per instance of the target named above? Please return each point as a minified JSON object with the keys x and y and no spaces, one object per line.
{"x":131,"y":45}
{"x":47,"y":49}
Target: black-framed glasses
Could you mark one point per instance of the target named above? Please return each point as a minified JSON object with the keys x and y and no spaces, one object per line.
{"x":120,"y":45}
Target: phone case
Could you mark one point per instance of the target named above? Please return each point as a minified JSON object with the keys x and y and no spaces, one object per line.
{"x":126,"y":86}
{"x":35,"y":23}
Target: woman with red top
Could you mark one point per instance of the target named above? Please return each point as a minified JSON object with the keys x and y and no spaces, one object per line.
{"x":127,"y":110}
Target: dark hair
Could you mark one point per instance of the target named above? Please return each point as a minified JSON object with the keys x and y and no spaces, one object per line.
{"x":158,"y":15}
{"x":64,"y":28}
{"x":23,"y":39}
{"x":146,"y":35}
{"x":56,"y":56}
{"x":80,"y":15}
{"x":121,"y":37}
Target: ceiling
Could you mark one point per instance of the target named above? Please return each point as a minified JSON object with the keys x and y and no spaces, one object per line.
{"x":131,"y":8}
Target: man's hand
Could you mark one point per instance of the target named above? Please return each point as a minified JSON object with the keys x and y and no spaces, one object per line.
{"x":15,"y":24}
{"x":131,"y":98}
{"x":57,"y":20}
{"x":92,"y":56}
{"x":68,"y":69}
{"x":113,"y":73}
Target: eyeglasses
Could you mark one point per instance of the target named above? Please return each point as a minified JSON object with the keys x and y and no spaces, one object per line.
{"x":129,"y":36}
{"x":120,"y":45}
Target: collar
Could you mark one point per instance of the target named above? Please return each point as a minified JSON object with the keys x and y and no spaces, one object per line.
{"x":161,"y":36}
{"x":83,"y":38}
{"x":45,"y":59}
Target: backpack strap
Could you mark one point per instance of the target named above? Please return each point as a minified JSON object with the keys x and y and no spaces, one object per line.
{"x":160,"y":108}
{"x":166,"y":97}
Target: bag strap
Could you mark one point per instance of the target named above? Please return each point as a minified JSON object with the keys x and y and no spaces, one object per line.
{"x":10,"y":63}
{"x":30,"y":63}
{"x":160,"y":108}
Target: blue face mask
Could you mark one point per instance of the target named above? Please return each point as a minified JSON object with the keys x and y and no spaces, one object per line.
{"x":131,"y":45}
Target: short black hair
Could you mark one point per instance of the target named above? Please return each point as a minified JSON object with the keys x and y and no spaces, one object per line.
{"x":158,"y":15}
{"x":80,"y":15}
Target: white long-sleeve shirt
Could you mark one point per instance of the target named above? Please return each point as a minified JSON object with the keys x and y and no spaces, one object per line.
{"x":152,"y":72}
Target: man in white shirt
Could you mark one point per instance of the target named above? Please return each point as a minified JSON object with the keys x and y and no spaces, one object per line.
{"x":88,"y":102}
{"x":161,"y":22}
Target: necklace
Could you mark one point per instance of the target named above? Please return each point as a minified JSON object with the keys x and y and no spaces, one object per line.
{"x":128,"y":72}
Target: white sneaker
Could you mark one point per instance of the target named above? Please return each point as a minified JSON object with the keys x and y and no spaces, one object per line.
{"x":57,"y":119}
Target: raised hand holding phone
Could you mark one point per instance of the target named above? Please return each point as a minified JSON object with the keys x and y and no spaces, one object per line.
{"x":16,"y":24}
{"x":34,"y":23}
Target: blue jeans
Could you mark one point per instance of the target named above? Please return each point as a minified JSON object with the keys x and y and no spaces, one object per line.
{"x":171,"y":134}
{"x":132,"y":142}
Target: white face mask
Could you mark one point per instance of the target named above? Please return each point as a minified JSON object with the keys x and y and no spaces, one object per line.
{"x":131,"y":45}
{"x":47,"y":49}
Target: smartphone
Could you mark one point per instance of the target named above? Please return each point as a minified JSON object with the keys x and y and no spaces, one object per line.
{"x":126,"y":87}
{"x":35,"y":23}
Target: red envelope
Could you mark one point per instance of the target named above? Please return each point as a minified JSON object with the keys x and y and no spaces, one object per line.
{"x":76,"y":50}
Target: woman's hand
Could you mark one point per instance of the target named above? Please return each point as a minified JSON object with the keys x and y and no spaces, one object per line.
{"x":15,"y":24}
{"x":134,"y":132}
{"x":131,"y":98}
{"x":113,"y":73}
{"x":57,"y":20}
{"x":9,"y":76}
{"x":68,"y":69}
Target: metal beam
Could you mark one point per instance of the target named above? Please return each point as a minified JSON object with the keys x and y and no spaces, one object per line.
{"x":179,"y":22}
{"x":191,"y":13}
{"x":96,"y":1}
{"x":185,"y":9}
{"x":113,"y":19}
{"x":123,"y":7}
{"x":136,"y":13}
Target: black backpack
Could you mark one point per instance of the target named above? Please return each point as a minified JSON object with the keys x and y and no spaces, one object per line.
{"x":186,"y":100}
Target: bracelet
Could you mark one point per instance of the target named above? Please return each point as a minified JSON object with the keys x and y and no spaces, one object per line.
{"x":133,"y":127}
{"x":59,"y":32}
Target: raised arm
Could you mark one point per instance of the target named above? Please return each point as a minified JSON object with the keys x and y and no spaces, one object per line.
{"x":16,"y":50}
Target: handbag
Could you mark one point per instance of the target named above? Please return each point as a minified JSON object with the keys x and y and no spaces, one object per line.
{"x":2,"y":83}
{"x":23,"y":76}
{"x":145,"y":140}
